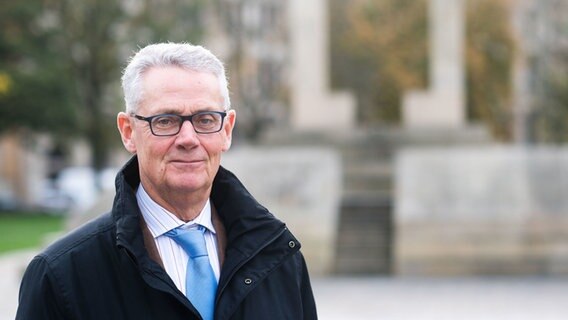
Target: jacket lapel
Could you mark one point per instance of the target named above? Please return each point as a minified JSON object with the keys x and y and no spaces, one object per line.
{"x":221,"y":235}
{"x":150,"y":244}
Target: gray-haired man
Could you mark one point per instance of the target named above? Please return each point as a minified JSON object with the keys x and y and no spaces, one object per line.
{"x":136,"y":261}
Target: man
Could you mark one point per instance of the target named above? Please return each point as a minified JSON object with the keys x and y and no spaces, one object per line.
{"x":140,"y":261}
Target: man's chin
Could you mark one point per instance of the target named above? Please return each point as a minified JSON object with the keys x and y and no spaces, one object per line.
{"x":187,"y":183}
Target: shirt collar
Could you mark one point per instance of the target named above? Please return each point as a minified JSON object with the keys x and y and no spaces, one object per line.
{"x":160,"y":220}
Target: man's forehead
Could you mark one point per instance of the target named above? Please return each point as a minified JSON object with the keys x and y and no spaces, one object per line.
{"x":173,"y":69}
{"x":159,"y":81}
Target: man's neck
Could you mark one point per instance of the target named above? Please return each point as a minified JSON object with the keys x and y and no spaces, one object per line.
{"x":186,"y":206}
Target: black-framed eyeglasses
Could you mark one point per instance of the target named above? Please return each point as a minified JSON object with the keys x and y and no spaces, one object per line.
{"x":170,"y":124}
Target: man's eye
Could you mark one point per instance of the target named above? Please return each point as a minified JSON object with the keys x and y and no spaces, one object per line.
{"x":206,"y":120}
{"x":164,"y":121}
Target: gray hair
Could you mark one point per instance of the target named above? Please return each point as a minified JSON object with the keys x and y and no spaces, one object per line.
{"x":184,"y":55}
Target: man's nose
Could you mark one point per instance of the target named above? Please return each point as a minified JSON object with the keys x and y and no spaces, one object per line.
{"x":187,"y":133}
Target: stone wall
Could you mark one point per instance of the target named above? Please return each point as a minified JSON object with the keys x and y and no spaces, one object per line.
{"x":482,"y":210}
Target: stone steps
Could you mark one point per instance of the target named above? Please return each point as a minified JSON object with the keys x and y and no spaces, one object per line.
{"x":366,"y":233}
{"x":364,"y":237}
{"x":364,"y":241}
{"x":379,"y":184}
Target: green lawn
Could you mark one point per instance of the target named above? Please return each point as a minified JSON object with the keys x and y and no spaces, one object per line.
{"x":25,"y":230}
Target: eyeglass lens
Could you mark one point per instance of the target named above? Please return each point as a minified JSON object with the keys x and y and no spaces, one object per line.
{"x":204,"y":122}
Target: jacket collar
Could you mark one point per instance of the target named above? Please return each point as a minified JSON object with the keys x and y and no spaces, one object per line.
{"x":241,"y":215}
{"x":125,"y":211}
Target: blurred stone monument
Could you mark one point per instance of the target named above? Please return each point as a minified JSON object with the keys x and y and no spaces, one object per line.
{"x":464,"y":205}
{"x":443,"y":104}
{"x":313,"y":105}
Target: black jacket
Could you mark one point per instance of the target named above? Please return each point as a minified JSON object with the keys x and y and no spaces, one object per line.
{"x":104,"y":271}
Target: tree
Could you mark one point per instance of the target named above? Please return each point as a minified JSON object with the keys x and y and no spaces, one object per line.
{"x":545,"y":36}
{"x":489,"y":56}
{"x":76,"y":50}
{"x":36,"y":86}
{"x":380,"y":50}
{"x":255,"y":33}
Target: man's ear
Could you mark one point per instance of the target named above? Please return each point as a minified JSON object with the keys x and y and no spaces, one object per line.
{"x":228,"y":129}
{"x":125,"y":126}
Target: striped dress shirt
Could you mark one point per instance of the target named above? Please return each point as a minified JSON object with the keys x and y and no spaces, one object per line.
{"x":160,"y":221}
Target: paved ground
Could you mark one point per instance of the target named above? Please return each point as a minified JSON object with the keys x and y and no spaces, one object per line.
{"x":446,"y":298}
{"x":11,"y":268}
{"x":366,"y":298}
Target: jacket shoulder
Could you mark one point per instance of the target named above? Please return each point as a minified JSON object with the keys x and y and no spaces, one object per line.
{"x":45,"y":290}
{"x":79,"y":237}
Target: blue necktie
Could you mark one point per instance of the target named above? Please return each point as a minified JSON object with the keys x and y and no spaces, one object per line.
{"x":200,"y":282}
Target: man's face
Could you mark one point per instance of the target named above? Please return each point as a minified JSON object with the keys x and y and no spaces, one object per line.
{"x":184,"y":164}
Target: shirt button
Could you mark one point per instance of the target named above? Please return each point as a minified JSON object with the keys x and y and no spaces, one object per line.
{"x":248,"y":281}
{"x":291,"y":244}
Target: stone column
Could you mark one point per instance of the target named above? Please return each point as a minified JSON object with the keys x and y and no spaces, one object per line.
{"x":443,"y":104}
{"x":313,"y":106}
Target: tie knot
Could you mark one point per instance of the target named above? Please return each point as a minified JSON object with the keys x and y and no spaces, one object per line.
{"x":191,"y":240}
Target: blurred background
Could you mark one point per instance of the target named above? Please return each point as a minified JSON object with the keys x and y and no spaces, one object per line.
{"x":399,"y":139}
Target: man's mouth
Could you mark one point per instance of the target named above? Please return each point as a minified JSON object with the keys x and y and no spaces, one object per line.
{"x":186,"y":161}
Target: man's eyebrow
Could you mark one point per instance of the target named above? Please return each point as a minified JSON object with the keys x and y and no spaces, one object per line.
{"x":167,"y":110}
